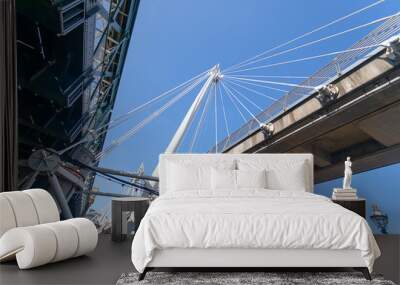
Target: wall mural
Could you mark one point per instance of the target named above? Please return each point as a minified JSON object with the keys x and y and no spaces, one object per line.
{"x":70,"y":62}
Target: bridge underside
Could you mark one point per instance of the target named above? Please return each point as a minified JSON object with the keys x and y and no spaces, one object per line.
{"x":362,"y":122}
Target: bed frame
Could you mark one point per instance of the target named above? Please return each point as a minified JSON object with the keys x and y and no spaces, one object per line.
{"x":246,"y":259}
{"x":242,"y":258}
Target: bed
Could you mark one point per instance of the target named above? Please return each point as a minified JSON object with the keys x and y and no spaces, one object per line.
{"x":247,"y":210}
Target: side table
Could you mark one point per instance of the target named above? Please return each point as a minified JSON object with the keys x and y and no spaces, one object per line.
{"x":356,"y":205}
{"x":120,"y":211}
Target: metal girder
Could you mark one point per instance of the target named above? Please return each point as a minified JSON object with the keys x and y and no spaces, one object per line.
{"x":110,"y":17}
{"x":117,"y":9}
{"x":69,"y":176}
{"x":29,"y":182}
{"x":109,"y":61}
{"x":106,"y":194}
{"x":110,"y":49}
{"x":103,"y":12}
{"x":115,"y":60}
{"x":61,"y":199}
{"x":116,"y":27}
{"x":125,"y":173}
{"x":106,"y":173}
{"x":106,"y":74}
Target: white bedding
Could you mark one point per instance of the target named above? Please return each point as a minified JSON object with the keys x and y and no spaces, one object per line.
{"x":250,"y":219}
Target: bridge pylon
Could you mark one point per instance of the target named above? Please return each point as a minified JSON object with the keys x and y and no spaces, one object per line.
{"x":214,"y":75}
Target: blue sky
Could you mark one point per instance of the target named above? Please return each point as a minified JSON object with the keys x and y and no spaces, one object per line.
{"x":174,"y":40}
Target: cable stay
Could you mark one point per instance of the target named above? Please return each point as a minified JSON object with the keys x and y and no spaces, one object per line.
{"x":96,"y":133}
{"x":317,"y":41}
{"x":244,"y":97}
{"x":270,"y":82}
{"x":238,"y":65}
{"x":233,"y":102}
{"x":223,"y":111}
{"x":117,"y":121}
{"x":311,"y":57}
{"x":241,"y":104}
{"x":200,"y":122}
{"x":147,"y":120}
{"x":241,"y":85}
{"x":280,"y":76}
{"x":114,"y":178}
{"x":215,"y":116}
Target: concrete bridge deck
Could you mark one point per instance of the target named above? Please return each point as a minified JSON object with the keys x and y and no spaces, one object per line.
{"x":361,"y":120}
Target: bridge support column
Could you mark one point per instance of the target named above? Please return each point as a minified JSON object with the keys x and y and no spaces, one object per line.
{"x":214,"y":75}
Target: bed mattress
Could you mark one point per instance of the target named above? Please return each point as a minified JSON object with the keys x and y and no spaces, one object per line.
{"x":250,"y":219}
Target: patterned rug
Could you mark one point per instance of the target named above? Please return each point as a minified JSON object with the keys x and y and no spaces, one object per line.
{"x":243,"y":278}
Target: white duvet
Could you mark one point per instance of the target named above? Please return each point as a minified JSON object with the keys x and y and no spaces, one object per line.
{"x":250,"y":219}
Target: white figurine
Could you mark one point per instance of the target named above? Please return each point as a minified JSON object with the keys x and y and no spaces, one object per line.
{"x":347,"y":174}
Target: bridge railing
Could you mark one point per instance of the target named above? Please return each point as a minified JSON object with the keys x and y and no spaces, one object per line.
{"x":359,"y":52}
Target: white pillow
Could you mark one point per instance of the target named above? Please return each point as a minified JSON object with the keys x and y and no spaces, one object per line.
{"x":223,"y":179}
{"x":251,"y":178}
{"x":292,"y":178}
{"x":181,"y":177}
{"x":281,"y":174}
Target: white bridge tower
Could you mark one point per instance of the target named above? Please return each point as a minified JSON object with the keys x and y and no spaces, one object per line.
{"x":213,"y":76}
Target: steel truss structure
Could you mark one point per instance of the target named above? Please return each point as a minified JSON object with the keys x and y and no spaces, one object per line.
{"x":70,"y":57}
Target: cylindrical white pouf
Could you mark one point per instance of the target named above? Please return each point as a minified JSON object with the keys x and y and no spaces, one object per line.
{"x":7,"y":218}
{"x":34,"y":245}
{"x":23,"y":208}
{"x":87,"y":235}
{"x":45,"y":205}
{"x":67,"y":240}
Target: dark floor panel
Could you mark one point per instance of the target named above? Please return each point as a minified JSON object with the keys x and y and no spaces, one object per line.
{"x":111,"y":259}
{"x":103,"y":266}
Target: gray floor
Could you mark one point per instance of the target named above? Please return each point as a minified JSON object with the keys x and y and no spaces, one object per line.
{"x":103,"y":266}
{"x":111,"y":259}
